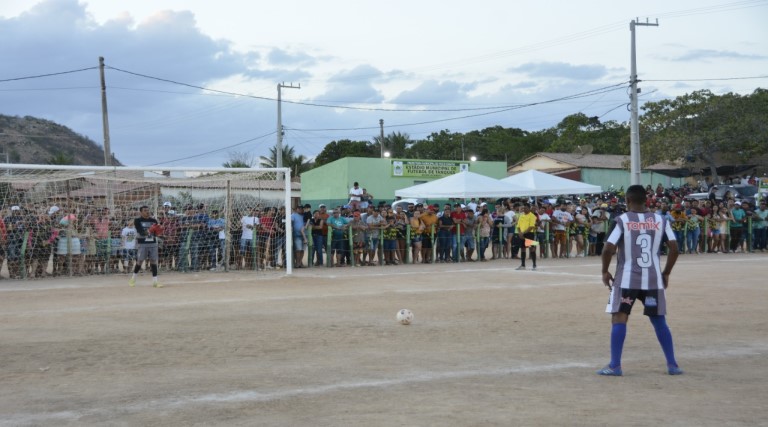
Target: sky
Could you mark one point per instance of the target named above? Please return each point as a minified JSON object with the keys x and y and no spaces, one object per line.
{"x":192,"y":82}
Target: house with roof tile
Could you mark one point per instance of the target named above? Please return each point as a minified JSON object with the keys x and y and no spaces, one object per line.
{"x":605,"y":170}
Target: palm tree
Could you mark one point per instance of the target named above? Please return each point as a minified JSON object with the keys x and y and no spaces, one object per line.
{"x":239,"y":159}
{"x":395,"y":143}
{"x":297,"y":164}
{"x":61,"y":159}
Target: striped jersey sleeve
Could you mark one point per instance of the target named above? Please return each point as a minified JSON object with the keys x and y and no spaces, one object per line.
{"x":638,"y":238}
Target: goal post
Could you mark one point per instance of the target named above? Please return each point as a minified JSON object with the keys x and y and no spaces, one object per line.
{"x":77,"y":220}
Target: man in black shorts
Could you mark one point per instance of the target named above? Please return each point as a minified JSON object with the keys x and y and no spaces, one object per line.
{"x":146,"y":242}
{"x":637,"y":234}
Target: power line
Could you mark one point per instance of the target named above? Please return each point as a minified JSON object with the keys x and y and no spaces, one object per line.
{"x":214,"y":151}
{"x":704,"y":80}
{"x":516,"y":107}
{"x":349,"y":107}
{"x":47,"y":75}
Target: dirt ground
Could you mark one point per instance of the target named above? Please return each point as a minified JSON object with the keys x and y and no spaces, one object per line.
{"x":489,"y":346}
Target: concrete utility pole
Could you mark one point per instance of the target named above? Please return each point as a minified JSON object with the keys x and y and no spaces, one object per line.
{"x":279,"y":150}
{"x":381,"y":136}
{"x":634,"y":136}
{"x":104,"y":115}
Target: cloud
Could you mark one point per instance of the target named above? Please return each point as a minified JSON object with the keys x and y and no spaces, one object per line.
{"x":711,"y":54}
{"x":354,"y":86}
{"x":359,"y":73}
{"x":146,"y":115}
{"x":434,"y":92}
{"x":279,"y":56}
{"x":561,"y":70}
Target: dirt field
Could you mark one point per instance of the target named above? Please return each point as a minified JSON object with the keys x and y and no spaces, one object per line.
{"x":489,"y":347}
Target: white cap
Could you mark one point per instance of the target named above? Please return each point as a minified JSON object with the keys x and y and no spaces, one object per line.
{"x":15,"y":208}
{"x":52,"y":210}
{"x":167,"y":204}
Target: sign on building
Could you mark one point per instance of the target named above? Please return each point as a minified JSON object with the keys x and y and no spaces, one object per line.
{"x":427,"y":168}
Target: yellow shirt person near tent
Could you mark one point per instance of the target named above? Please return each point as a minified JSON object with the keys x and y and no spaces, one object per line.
{"x":526,"y":229}
{"x":526,"y":223}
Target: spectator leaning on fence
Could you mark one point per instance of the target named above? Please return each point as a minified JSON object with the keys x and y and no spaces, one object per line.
{"x":760,"y":227}
{"x":738,"y":218}
{"x":299,"y":238}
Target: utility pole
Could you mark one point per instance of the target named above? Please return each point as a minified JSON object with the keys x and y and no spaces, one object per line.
{"x":634,"y":126}
{"x":381,"y":137}
{"x":105,"y":125}
{"x":104,"y":115}
{"x":279,"y":150}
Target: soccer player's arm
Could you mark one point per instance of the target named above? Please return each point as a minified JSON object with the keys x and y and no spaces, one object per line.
{"x":609,"y":249}
{"x":674,"y":251}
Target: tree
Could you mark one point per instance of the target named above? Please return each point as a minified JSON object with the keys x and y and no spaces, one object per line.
{"x":395,"y":143}
{"x":336,"y":150}
{"x":491,"y":144}
{"x":704,"y":126}
{"x":579,"y":130}
{"x":61,"y":159}
{"x":443,"y":145}
{"x":297,"y":164}
{"x":239,"y":159}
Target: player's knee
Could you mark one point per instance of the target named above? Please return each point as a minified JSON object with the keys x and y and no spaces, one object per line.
{"x":619,"y":318}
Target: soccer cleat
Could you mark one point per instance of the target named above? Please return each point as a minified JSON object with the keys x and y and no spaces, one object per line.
{"x":674,"y":370}
{"x":534,"y":268}
{"x":132,"y":282}
{"x":522,"y":267}
{"x":157,"y":285}
{"x":610,"y":372}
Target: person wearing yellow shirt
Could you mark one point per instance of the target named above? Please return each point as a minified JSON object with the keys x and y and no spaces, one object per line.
{"x":526,"y":229}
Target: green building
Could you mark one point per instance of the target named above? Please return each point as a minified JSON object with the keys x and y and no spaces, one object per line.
{"x":330,"y":183}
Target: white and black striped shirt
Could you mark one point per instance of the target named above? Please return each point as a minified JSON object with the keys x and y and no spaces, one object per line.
{"x":638,"y":238}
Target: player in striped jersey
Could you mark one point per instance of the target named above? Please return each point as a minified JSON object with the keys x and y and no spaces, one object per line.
{"x":637,"y":236}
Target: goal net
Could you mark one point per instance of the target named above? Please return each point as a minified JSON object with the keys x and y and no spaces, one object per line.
{"x":78,"y":220}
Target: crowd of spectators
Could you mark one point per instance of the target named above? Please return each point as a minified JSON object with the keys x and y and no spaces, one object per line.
{"x":464,"y":230}
{"x":39,"y":241}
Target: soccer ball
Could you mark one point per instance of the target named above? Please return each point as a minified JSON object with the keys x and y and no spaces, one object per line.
{"x":405,"y":316}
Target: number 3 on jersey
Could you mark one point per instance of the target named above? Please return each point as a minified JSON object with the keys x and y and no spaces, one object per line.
{"x":644,"y":242}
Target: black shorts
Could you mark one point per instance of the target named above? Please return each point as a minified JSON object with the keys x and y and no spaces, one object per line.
{"x":622,"y":300}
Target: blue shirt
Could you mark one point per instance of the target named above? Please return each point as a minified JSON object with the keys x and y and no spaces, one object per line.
{"x":336,"y":223}
{"x":297,"y":222}
{"x":216,"y":223}
{"x":738,"y":216}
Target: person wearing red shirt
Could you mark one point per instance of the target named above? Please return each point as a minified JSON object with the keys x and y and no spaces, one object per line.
{"x":458,"y":217}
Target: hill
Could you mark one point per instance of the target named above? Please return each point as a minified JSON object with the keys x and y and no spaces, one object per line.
{"x":31,"y":140}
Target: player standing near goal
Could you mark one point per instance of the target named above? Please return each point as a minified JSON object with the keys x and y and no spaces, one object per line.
{"x":638,"y":236}
{"x":147,"y":230}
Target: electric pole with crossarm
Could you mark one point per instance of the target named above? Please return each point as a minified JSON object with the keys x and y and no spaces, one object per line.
{"x":634,"y":135}
{"x":279,"y":150}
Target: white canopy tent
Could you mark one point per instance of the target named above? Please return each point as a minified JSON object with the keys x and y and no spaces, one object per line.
{"x":544,"y":184}
{"x":463,"y":185}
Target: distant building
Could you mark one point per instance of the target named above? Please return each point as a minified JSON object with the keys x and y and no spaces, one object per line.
{"x":598,"y":169}
{"x":330,"y":183}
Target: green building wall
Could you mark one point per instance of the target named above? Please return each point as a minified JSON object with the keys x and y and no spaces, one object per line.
{"x":329,"y":184}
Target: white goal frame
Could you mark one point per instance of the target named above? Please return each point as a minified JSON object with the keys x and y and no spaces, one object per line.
{"x":24,"y":174}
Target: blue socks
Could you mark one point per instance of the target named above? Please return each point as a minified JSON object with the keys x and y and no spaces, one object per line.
{"x":618,"y":333}
{"x":665,"y":338}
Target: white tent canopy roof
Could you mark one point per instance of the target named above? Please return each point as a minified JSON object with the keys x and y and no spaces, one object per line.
{"x":463,"y":185}
{"x":544,"y":184}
